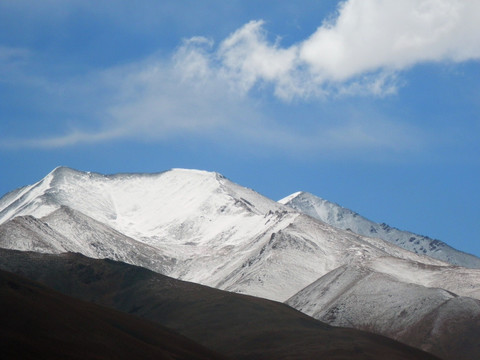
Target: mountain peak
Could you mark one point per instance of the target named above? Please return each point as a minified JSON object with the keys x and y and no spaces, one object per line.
{"x":290,"y":197}
{"x":193,"y":171}
{"x":61,"y":171}
{"x":64,"y":174}
{"x":61,"y":168}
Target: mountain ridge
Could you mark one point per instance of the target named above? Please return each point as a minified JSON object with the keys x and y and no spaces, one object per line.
{"x":346,"y":219}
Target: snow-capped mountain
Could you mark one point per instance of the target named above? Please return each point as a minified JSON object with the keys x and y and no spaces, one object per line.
{"x":346,"y":219}
{"x":200,"y":227}
{"x":208,"y":229}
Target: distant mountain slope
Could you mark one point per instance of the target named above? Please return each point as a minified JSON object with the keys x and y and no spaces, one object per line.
{"x":343,"y":218}
{"x":428,"y":318}
{"x":242,"y":327}
{"x":40,"y":323}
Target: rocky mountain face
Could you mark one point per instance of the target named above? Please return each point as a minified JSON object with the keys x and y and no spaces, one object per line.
{"x":200,"y":227}
{"x":347,"y":219}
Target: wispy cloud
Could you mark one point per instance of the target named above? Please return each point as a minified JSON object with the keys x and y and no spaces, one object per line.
{"x":209,"y":90}
{"x":70,"y":139}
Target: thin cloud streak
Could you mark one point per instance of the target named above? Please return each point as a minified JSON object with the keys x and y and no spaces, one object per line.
{"x":61,"y":141}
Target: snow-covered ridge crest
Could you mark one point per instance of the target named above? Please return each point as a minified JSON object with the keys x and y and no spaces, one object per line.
{"x":290,"y":197}
{"x":346,"y":219}
{"x":117,"y":198}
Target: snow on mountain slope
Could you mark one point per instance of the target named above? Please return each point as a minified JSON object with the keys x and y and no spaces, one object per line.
{"x":361,"y":297}
{"x":337,"y":247}
{"x":357,"y":296}
{"x":451,"y":330}
{"x":208,"y":229}
{"x":343,"y":218}
{"x":136,"y":204}
{"x":67,"y":230}
{"x":24,"y":201}
{"x":306,"y":249}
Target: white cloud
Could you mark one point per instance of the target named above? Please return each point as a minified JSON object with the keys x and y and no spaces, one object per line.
{"x":157,"y":99}
{"x":153,"y":99}
{"x":371,"y":35}
{"x":360,"y":51}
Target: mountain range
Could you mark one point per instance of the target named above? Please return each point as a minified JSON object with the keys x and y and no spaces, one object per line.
{"x":202,"y":228}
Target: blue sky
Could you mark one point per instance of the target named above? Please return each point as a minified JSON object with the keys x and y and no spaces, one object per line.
{"x":371,"y":104}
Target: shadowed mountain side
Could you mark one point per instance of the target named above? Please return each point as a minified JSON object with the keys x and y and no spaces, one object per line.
{"x":40,"y":323}
{"x":239,"y":326}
